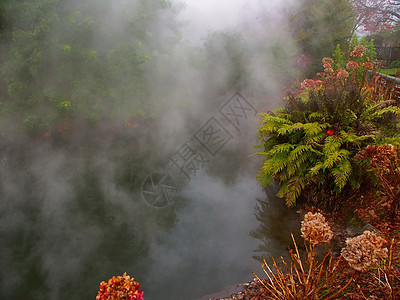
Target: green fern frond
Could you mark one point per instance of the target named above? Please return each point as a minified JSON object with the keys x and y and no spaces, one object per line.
{"x":390,"y":109}
{"x":316,"y":116}
{"x":276,"y":119}
{"x":279,"y":110}
{"x":350,"y":115}
{"x":268,"y":143}
{"x":344,"y":154}
{"x":268,"y":128}
{"x":268,"y":167}
{"x":297,"y":157}
{"x":349,"y":137}
{"x":394,"y":140}
{"x":283,"y":190}
{"x":315,"y":139}
{"x":285,"y":129}
{"x":335,"y":158}
{"x":376,"y":107}
{"x":330,"y":160}
{"x":277,"y":163}
{"x":295,"y":187}
{"x":317,"y":168}
{"x":341,"y":173}
{"x":288,"y":194}
{"x":272,"y":124}
{"x":297,"y":126}
{"x":315,"y":128}
{"x":332,"y":144}
{"x":280,"y":148}
{"x":264,"y":179}
{"x":363,"y":138}
{"x":262,"y":153}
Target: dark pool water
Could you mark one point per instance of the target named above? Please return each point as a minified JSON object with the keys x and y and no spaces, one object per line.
{"x":72,"y":215}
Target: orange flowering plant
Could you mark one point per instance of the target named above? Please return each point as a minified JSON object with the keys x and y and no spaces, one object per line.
{"x":119,"y":288}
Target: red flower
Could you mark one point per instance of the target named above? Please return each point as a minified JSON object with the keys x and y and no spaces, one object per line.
{"x":330,"y":132}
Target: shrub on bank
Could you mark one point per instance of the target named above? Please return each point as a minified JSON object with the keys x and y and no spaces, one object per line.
{"x":309,"y":146}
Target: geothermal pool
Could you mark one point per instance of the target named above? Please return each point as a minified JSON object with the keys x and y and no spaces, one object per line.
{"x":73,"y":214}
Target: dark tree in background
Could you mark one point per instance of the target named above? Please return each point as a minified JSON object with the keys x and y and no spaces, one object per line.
{"x":80,"y":61}
{"x":376,"y":15}
{"x":318,"y":26}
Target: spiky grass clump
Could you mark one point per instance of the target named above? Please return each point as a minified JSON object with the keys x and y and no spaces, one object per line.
{"x":304,"y":280}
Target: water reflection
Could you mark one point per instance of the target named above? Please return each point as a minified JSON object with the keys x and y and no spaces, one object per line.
{"x":276,"y":222}
{"x":209,"y":247}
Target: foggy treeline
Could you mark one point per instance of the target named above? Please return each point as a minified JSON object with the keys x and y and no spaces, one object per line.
{"x":66,"y":62}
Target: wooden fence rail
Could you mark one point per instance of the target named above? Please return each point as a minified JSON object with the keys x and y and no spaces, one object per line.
{"x":391,"y":85}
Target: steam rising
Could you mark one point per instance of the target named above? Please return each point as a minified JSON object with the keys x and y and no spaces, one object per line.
{"x":71,"y":209}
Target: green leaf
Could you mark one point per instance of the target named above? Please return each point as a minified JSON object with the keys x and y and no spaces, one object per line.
{"x":342,"y":173}
{"x":332,"y":144}
{"x":286,"y":147}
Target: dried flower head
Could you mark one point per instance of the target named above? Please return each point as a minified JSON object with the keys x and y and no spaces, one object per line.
{"x":315,"y":229}
{"x":382,"y":158}
{"x":310,"y":83}
{"x":341,"y":74}
{"x":119,"y":288}
{"x":327,"y":65}
{"x":364,"y":251}
{"x":351,"y":65}
{"x":327,"y":60}
{"x":307,"y":83}
{"x":368,"y":65}
{"x":358,"y":51}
